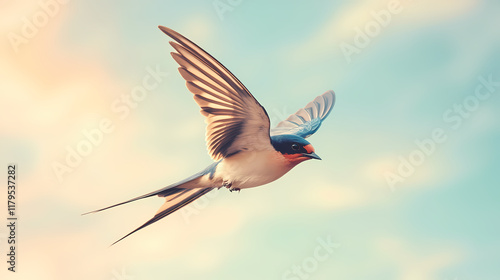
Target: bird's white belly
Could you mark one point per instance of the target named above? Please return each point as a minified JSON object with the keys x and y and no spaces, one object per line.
{"x":252,"y":169}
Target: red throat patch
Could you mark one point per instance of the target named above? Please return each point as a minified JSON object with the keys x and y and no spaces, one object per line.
{"x":309,"y":148}
{"x":295,"y":158}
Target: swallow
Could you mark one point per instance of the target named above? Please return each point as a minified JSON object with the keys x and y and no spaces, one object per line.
{"x":247,"y":153}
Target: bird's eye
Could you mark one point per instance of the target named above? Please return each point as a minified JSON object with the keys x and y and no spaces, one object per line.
{"x":295,"y":147}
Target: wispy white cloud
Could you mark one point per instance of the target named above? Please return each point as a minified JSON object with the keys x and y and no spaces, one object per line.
{"x":341,"y":27}
{"x":416,"y":263}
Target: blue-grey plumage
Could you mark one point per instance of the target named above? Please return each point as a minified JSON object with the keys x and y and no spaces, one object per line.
{"x":247,"y":153}
{"x":306,"y":121}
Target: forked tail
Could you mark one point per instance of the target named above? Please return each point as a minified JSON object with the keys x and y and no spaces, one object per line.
{"x":173,"y":203}
{"x":176,"y":195}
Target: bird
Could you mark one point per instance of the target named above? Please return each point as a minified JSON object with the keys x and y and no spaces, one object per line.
{"x":246,"y":152}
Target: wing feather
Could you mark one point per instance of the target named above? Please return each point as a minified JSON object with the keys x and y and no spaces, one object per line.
{"x":235,"y":120}
{"x":307,"y":120}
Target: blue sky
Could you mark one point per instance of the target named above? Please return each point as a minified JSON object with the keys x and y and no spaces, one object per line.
{"x":439,"y":222}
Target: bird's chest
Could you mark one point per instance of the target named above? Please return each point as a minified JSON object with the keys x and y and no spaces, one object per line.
{"x":252,"y":169}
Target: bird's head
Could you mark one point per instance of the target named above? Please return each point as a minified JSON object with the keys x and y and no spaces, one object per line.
{"x":294,"y":148}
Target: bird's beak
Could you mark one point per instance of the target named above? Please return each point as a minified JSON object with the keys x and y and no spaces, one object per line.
{"x":312,"y":155}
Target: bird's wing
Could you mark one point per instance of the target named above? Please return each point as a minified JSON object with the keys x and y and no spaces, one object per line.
{"x":306,"y":121}
{"x":235,"y":120}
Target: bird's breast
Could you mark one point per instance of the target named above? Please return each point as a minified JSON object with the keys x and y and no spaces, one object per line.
{"x":252,"y":169}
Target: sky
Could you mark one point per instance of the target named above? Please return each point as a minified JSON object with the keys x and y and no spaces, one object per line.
{"x":93,"y":112}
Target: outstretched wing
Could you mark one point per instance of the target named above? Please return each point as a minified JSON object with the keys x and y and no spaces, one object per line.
{"x":306,"y":121}
{"x":235,"y":120}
